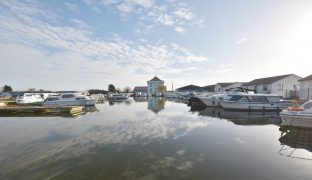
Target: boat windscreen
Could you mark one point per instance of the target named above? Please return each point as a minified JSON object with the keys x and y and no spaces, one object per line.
{"x":307,"y":105}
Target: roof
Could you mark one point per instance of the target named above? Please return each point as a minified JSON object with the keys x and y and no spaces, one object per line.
{"x":209,"y":87}
{"x":140,"y":88}
{"x":226,"y":84}
{"x":268,"y":80}
{"x":308,"y":78}
{"x":189,"y":88}
{"x":155,"y":79}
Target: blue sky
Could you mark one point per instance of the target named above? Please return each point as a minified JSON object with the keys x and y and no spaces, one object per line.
{"x":64,"y":45}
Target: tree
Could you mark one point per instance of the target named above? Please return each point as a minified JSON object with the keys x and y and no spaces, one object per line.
{"x":127,"y":89}
{"x":118,"y":90}
{"x":162,"y":89}
{"x":7,"y":88}
{"x":111,"y":88}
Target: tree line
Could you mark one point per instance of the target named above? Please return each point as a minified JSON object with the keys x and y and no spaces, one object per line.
{"x":6,"y":88}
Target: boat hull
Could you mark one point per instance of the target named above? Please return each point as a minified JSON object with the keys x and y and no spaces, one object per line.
{"x":296,"y":120}
{"x":89,"y":102}
{"x":231,"y":105}
{"x":210,"y":102}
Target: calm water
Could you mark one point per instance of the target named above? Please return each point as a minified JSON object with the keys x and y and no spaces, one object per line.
{"x":154,"y":139}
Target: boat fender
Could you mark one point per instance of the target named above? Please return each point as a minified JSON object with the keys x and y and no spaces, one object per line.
{"x":295,"y":108}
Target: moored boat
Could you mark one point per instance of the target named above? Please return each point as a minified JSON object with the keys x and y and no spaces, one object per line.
{"x":255,"y":102}
{"x":29,"y":99}
{"x":69,"y":100}
{"x":214,"y":100}
{"x":300,"y":116}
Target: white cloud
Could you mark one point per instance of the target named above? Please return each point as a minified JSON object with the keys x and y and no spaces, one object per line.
{"x":79,"y":23}
{"x":125,"y":7}
{"x":69,"y":51}
{"x":72,"y":7}
{"x":179,"y":29}
{"x":185,"y":13}
{"x":149,"y":13}
{"x":241,"y":41}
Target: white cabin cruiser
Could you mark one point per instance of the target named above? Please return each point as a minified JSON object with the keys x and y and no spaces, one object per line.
{"x":214,"y":100}
{"x":29,"y":98}
{"x":300,"y":116}
{"x":69,"y":100}
{"x":255,"y":102}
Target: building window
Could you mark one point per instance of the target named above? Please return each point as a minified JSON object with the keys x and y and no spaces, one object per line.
{"x":265,"y":87}
{"x":280,"y":87}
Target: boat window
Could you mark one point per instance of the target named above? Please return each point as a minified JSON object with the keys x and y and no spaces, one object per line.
{"x":52,"y":99}
{"x":79,"y":98}
{"x":244,"y":99}
{"x":67,"y":96}
{"x":273,"y":98}
{"x":236,"y":98}
{"x":258,"y":99}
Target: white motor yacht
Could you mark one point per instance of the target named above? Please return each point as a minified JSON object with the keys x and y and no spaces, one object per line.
{"x":29,"y":98}
{"x":255,"y":102}
{"x":69,"y":100}
{"x":300,"y":116}
{"x":215,"y":99}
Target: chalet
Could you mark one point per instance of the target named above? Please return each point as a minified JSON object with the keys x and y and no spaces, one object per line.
{"x":306,"y":88}
{"x":282,"y":85}
{"x":155,"y":87}
{"x":140,"y":91}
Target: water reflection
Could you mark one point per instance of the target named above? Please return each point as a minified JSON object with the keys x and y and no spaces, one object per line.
{"x":240,"y":117}
{"x":296,"y":143}
{"x":156,"y":104}
{"x":149,"y":139}
{"x":56,"y":147}
{"x":120,"y":101}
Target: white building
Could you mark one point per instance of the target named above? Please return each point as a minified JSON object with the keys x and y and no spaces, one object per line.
{"x":306,"y":88}
{"x":155,"y":87}
{"x":285,"y":85}
{"x":224,"y":86}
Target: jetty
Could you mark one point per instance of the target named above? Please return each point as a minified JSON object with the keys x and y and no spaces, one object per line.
{"x":40,"y":111}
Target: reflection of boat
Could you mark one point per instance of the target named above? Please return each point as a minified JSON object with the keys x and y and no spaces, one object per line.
{"x":241,"y":117}
{"x":69,"y":100}
{"x":298,"y":116}
{"x":294,"y":140}
{"x":30,"y":98}
{"x":90,"y":109}
{"x":255,"y":102}
{"x":118,"y":96}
